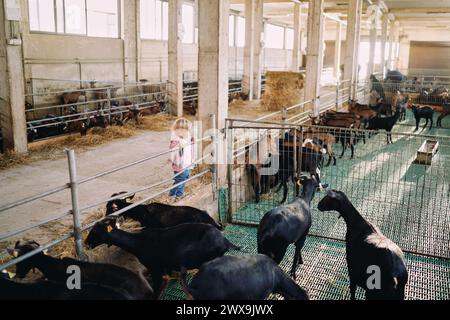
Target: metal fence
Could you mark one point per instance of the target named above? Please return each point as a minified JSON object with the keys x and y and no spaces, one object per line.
{"x":435,"y":93}
{"x":76,"y":213}
{"x":408,"y":200}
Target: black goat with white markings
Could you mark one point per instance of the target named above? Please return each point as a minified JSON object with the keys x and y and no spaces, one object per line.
{"x":55,"y":270}
{"x":385,"y":124}
{"x":367,"y":248}
{"x":288,"y":225}
{"x":311,"y":162}
{"x":164,"y":251}
{"x":158,"y":215}
{"x":242,"y":278}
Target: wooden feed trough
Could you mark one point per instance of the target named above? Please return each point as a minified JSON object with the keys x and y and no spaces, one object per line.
{"x":427,"y":152}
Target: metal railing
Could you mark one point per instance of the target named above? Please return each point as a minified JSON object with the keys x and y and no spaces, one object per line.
{"x":77,"y":211}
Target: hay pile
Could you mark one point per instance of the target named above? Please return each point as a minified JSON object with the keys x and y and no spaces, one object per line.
{"x":54,"y":149}
{"x":12,"y":159}
{"x":283,"y":89}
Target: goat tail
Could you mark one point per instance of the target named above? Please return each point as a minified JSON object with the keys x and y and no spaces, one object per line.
{"x":184,"y":284}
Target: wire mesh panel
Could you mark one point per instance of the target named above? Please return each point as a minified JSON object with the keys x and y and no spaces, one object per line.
{"x":403,"y":187}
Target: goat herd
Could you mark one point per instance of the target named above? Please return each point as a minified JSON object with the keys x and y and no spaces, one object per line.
{"x":175,"y":239}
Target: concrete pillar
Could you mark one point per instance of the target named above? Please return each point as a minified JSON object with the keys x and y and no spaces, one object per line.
{"x":314,"y":60}
{"x":296,"y":52}
{"x":12,"y":84}
{"x":352,"y":42}
{"x":258,"y":63}
{"x":213,"y":60}
{"x":175,"y":57}
{"x":372,"y":48}
{"x":397,"y":47}
{"x":391,"y":44}
{"x":249,"y":49}
{"x":131,"y":39}
{"x":405,"y":47}
{"x":384,"y":35}
{"x":357,"y":48}
{"x":337,"y":51}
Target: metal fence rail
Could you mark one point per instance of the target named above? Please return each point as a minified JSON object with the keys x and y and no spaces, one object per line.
{"x":77,"y":211}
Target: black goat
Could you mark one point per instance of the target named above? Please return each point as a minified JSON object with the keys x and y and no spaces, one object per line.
{"x":426,"y":113}
{"x":286,"y":225}
{"x":242,"y":278}
{"x":310,"y":161}
{"x":46,"y":290}
{"x":158,"y":215}
{"x":367,"y":247}
{"x":136,"y":287}
{"x":164,"y":251}
{"x":261,"y":183}
{"x":385,"y":124}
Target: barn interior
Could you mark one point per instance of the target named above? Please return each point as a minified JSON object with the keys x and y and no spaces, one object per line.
{"x":90,"y":90}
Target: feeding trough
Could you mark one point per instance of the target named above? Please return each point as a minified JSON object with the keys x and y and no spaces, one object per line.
{"x":427,"y":152}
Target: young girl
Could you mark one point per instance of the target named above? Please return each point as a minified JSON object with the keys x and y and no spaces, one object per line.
{"x":182,"y":159}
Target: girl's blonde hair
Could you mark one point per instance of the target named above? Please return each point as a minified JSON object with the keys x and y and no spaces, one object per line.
{"x":182,"y":128}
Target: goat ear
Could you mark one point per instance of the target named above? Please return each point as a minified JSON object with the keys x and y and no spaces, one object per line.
{"x":330,"y":193}
{"x":130,"y":198}
{"x":119,"y":222}
{"x":13,"y":253}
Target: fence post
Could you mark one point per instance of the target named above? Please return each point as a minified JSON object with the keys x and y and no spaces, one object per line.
{"x":317,"y":107}
{"x":214,"y":155}
{"x":230,"y":156}
{"x":75,"y":204}
{"x":109,"y":105}
{"x":338,"y":85}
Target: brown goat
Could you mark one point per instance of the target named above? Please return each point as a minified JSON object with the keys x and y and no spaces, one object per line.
{"x":71,"y":97}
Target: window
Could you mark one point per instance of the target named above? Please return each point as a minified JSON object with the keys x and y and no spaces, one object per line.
{"x":231,"y":30}
{"x":95,"y":18}
{"x":102,"y":18}
{"x":240,"y":35}
{"x":42,"y":15}
{"x":274,"y":36}
{"x":154,"y":19}
{"x":75,"y":16}
{"x":289,"y":44}
{"x":188,"y":23}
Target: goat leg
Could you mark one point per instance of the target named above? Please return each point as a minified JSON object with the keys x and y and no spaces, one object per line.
{"x":426,"y":125}
{"x":343,"y":149}
{"x":297,"y":257}
{"x":330,"y":158}
{"x":164,"y":284}
{"x":352,"y":290}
